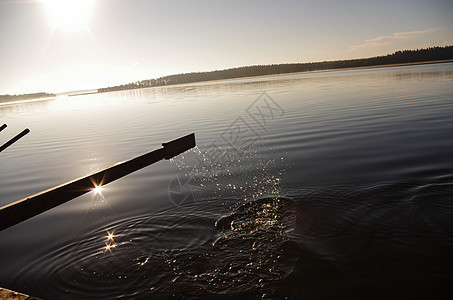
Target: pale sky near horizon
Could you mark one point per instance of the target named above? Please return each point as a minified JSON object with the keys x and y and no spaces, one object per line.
{"x":47,"y":47}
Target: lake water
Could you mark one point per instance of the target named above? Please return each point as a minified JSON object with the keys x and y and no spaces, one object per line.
{"x":313,"y":186}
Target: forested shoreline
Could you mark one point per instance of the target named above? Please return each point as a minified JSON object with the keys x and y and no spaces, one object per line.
{"x":9,"y":98}
{"x":399,"y":57}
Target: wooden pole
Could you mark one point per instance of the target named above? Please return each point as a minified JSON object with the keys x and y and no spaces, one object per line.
{"x":14,"y":139}
{"x":26,"y":208}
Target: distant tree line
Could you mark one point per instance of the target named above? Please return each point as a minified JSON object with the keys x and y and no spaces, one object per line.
{"x":8,"y":98}
{"x":406,"y":56}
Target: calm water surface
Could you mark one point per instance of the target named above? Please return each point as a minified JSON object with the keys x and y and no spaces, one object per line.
{"x":312,"y":186}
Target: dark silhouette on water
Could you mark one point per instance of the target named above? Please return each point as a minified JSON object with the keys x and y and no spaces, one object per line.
{"x":29,"y":207}
{"x":14,"y":139}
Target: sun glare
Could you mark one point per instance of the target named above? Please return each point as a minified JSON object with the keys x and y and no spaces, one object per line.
{"x":98,"y":189}
{"x":69,"y":14}
{"x":109,"y":247}
{"x":110,"y":236}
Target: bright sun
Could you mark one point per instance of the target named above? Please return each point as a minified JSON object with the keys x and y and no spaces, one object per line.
{"x":68,"y":14}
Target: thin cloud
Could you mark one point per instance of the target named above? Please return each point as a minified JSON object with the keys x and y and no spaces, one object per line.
{"x":388,"y":39}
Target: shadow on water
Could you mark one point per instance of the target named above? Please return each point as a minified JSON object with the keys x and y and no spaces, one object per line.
{"x":386,"y":241}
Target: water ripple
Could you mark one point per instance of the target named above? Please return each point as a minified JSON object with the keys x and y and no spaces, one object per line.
{"x":242,"y":253}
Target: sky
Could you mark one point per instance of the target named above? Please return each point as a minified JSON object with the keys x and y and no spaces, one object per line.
{"x":47,"y":46}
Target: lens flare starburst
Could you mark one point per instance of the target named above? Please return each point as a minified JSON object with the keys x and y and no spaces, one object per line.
{"x":110,"y":243}
{"x":97,"y":189}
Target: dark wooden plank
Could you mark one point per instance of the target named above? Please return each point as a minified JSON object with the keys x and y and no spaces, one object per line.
{"x":14,"y":139}
{"x":26,"y":208}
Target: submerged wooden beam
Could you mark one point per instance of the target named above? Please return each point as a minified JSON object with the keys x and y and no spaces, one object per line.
{"x":14,"y":139}
{"x":26,"y":208}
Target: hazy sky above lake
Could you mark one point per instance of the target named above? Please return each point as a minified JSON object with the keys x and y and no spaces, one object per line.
{"x":86,"y":44}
